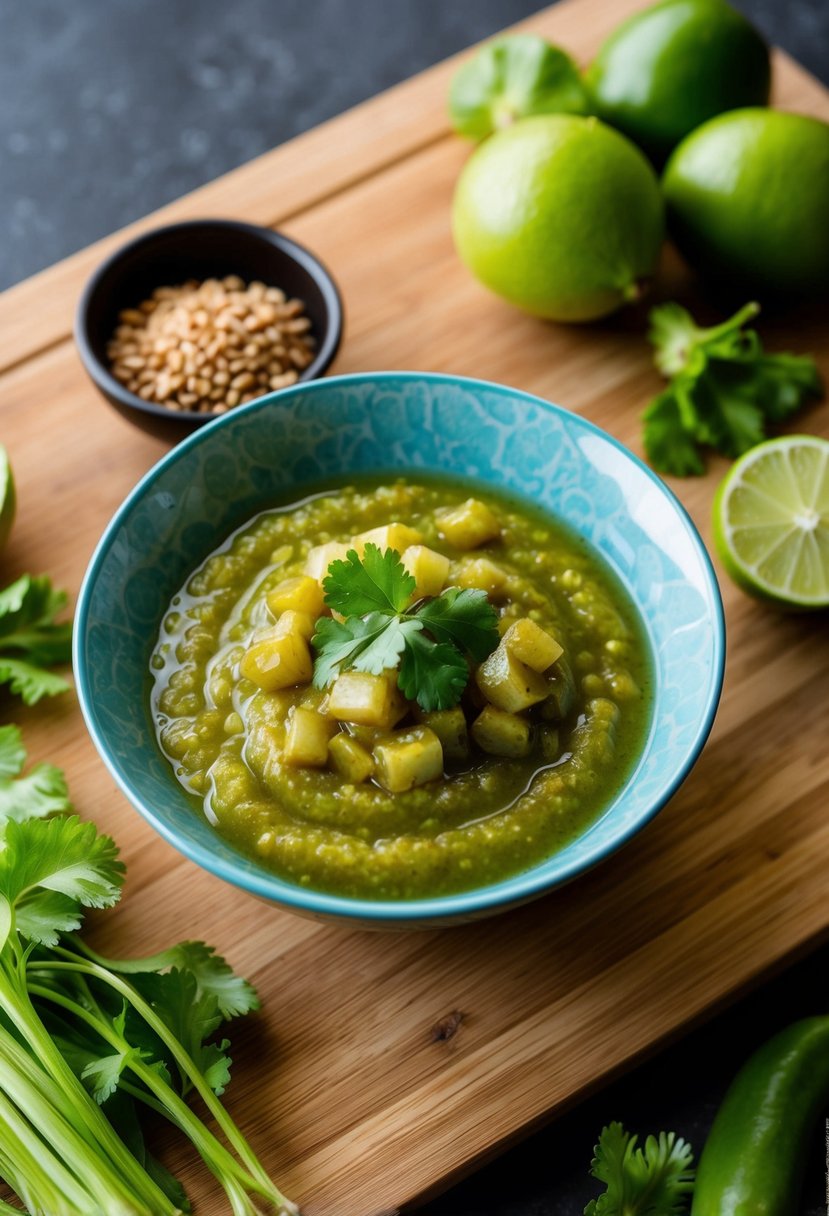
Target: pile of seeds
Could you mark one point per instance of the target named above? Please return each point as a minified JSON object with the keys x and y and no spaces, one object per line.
{"x":205,"y":347}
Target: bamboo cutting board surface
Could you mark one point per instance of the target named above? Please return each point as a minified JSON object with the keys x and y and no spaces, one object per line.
{"x":359,"y":1083}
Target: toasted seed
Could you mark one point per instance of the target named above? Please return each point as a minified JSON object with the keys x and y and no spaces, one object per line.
{"x":206,"y":347}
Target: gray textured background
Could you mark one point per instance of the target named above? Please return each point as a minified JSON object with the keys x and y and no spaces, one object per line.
{"x":110,"y":108}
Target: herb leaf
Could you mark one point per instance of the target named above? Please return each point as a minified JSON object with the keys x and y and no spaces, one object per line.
{"x":42,"y":859}
{"x":432,"y":673}
{"x":723,"y":390}
{"x":385,"y":650}
{"x":464,"y":618}
{"x":651,"y":1181}
{"x":428,"y":645}
{"x":213,"y":976}
{"x":31,"y":640}
{"x":40,"y":793}
{"x":340,"y":643}
{"x":377,"y":582}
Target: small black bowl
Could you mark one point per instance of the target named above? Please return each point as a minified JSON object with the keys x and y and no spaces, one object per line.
{"x":199,"y":249}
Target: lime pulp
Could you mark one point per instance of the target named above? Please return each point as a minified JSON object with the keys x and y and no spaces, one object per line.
{"x":771,"y":521}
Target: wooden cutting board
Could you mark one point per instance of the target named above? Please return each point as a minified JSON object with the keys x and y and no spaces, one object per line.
{"x":383,"y":1066}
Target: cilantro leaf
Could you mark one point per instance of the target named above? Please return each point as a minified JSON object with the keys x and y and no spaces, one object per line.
{"x":724,"y":388}
{"x":339,"y":643}
{"x":190,"y":1015}
{"x":673,"y":332}
{"x":385,"y":650}
{"x":63,"y":857}
{"x":30,"y":682}
{"x":30,"y":640}
{"x":213,"y":976}
{"x":727,"y":418}
{"x":40,"y":793}
{"x":377,"y":582}
{"x":44,"y":915}
{"x":432,"y":673}
{"x":104,"y":1072}
{"x":12,"y":752}
{"x":668,"y":446}
{"x":464,"y":618}
{"x":650,"y":1181}
{"x":785,"y":382}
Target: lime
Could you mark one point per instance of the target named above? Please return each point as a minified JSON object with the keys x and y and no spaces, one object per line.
{"x":560,"y":215}
{"x":771,"y":522}
{"x":675,"y":65}
{"x":748,"y":201}
{"x":7,"y":497}
{"x":512,"y":78}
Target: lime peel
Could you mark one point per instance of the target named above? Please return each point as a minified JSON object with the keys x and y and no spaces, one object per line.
{"x":771,"y":522}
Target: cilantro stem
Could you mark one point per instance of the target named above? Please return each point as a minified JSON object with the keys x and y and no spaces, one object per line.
{"x":99,"y":1177}
{"x":46,"y":1183}
{"x":181,"y":1057}
{"x":98,"y":1133}
{"x":219,"y":1160}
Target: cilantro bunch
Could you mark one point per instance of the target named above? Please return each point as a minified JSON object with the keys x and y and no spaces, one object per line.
{"x":428,"y":645}
{"x":724,"y":389}
{"x":89,"y":1045}
{"x":30,"y":639}
{"x":655,"y":1180}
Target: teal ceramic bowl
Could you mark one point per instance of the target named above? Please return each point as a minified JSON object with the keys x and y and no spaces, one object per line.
{"x":268,"y":452}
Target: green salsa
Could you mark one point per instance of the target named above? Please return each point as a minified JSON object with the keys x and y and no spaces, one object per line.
{"x":493,"y":807}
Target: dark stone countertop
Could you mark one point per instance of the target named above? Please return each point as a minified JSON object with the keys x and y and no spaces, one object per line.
{"x":107,"y":111}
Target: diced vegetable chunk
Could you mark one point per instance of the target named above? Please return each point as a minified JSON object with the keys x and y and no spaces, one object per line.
{"x":450,"y":727}
{"x":277,"y":662}
{"x":469,"y":525}
{"x":367,"y":700}
{"x":321,"y":556}
{"x":532,"y":645}
{"x":549,"y":743}
{"x":390,"y":536}
{"x":483,"y":575}
{"x":307,"y":738}
{"x":501,"y":734}
{"x":302,"y":594}
{"x":509,"y":684}
{"x":349,"y":758}
{"x":408,"y":758}
{"x":300,"y":623}
{"x":428,"y":568}
{"x":561,"y":690}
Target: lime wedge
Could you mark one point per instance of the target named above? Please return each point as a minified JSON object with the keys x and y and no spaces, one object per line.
{"x":7,"y":497}
{"x":771,"y":522}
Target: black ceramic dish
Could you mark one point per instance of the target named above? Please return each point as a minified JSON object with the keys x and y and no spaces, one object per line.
{"x":199,"y":249}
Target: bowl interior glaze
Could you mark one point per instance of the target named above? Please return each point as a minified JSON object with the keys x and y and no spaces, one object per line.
{"x":272,"y":450}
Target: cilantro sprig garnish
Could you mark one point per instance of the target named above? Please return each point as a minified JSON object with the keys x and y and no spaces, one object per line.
{"x":724,"y":389}
{"x":428,"y":645}
{"x":655,"y":1180}
{"x":31,"y":640}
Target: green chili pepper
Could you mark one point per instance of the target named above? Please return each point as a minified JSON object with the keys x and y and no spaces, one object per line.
{"x":755,"y":1156}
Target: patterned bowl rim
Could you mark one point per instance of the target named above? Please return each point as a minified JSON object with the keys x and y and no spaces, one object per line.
{"x":509,"y":892}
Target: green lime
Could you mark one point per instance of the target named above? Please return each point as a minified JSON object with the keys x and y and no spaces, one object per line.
{"x":8,"y":499}
{"x":748,"y":202}
{"x":560,"y":215}
{"x":512,"y":78}
{"x":771,"y":522}
{"x":675,"y":65}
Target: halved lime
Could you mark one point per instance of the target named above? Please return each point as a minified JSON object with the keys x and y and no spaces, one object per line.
{"x":7,"y":497}
{"x":771,"y":522}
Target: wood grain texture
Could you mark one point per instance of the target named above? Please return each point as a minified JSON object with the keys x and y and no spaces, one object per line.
{"x":356,"y":1104}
